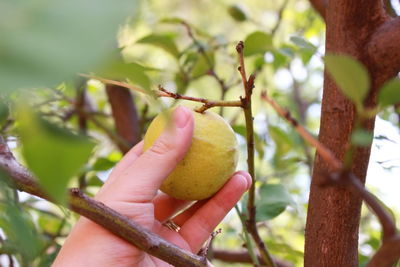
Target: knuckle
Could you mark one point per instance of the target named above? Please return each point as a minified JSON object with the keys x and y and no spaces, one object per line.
{"x":161,"y":147}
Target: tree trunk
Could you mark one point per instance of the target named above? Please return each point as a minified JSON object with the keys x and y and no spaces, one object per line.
{"x":333,"y":212}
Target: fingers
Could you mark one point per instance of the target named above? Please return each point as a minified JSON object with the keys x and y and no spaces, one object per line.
{"x":140,"y":181}
{"x":129,"y":158}
{"x":187,"y":214}
{"x":124,"y":163}
{"x":165,"y":206}
{"x":197,"y":228}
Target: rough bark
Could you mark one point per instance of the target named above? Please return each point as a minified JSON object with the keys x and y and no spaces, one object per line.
{"x":320,"y":6}
{"x":124,"y":114}
{"x":334,"y":213}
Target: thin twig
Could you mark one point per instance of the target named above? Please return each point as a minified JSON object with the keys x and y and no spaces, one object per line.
{"x":206,"y":102}
{"x":111,"y":220}
{"x":80,"y":107}
{"x":162,"y":92}
{"x":322,"y":150}
{"x":122,"y":84}
{"x":242,"y":256}
{"x":115,"y":137}
{"x":339,"y":174}
{"x":280,"y":17}
{"x":248,"y":85}
{"x":246,"y":238}
{"x":224,"y":87}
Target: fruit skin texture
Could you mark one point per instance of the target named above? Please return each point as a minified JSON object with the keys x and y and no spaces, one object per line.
{"x":209,"y":162}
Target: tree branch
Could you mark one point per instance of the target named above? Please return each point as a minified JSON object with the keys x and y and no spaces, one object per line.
{"x":124,"y":114}
{"x":248,"y":85}
{"x":341,"y":176}
{"x":280,"y":17}
{"x":320,"y":6}
{"x":116,"y":223}
{"x":242,"y":256}
{"x":387,"y":254}
{"x":118,"y":140}
{"x":383,"y":48}
{"x":207,"y":103}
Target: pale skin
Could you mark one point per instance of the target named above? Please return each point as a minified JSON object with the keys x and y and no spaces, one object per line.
{"x":132,"y":190}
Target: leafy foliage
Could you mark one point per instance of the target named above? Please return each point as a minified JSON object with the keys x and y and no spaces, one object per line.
{"x":390,"y":93}
{"x":45,"y":44}
{"x":350,"y":75}
{"x":257,"y":43}
{"x":54,"y":154}
{"x":56,"y":41}
{"x":274,"y":200}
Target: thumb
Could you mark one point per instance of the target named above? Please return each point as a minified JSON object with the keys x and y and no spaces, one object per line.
{"x":172,"y":145}
{"x":140,"y":181}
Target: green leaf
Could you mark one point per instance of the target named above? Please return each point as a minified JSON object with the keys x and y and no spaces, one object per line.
{"x":280,"y":60}
{"x":302,"y":43}
{"x":237,"y":13}
{"x":259,"y":145}
{"x":4,"y":112}
{"x":362,"y":137}
{"x":45,"y":43}
{"x":163,"y":41}
{"x":390,"y":93}
{"x":53,"y":154}
{"x":94,"y":181}
{"x":350,"y":75}
{"x":103,"y":164}
{"x":181,"y":82}
{"x":282,"y":141}
{"x":306,"y":55}
{"x":117,"y":69}
{"x":18,"y":227}
{"x":48,"y":259}
{"x":274,"y":199}
{"x":239,"y":129}
{"x":257,"y":42}
{"x":202,"y":65}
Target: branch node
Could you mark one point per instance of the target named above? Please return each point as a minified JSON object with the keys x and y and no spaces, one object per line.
{"x":240,"y":47}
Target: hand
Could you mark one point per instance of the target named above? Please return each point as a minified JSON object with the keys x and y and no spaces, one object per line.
{"x":132,"y":190}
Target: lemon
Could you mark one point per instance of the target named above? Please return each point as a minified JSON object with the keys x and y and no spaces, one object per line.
{"x":209,"y":162}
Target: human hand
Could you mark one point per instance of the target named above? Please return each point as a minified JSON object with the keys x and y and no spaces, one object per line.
{"x":132,"y":190}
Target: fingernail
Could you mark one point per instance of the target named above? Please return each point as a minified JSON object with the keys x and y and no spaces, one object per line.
{"x":247,"y":178}
{"x":181,"y":116}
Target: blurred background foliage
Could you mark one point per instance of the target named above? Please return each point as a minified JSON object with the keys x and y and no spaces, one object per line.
{"x":187,"y":47}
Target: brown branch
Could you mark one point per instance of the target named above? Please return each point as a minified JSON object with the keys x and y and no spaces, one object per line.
{"x":341,"y":176}
{"x":385,"y":219}
{"x":80,"y":107}
{"x":207,"y":103}
{"x":211,"y":71}
{"x":251,"y":225}
{"x":387,"y":254}
{"x":125,"y":115}
{"x":111,"y":220}
{"x":280,"y":17}
{"x":322,"y":150}
{"x":118,"y":140}
{"x":383,"y":48}
{"x":320,"y":6}
{"x":242,"y":257}
{"x":162,"y":92}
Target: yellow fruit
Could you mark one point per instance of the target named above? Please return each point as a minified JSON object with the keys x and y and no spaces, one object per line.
{"x":209,"y":162}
